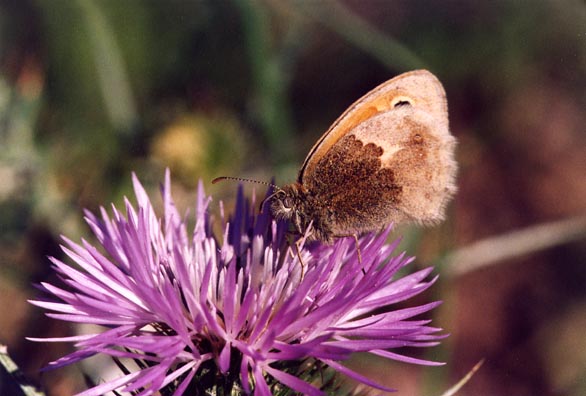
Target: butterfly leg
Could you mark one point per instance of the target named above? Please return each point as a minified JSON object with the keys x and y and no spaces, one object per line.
{"x":358,"y":253}
{"x":358,"y":250}
{"x":297,"y":245}
{"x":298,"y":251}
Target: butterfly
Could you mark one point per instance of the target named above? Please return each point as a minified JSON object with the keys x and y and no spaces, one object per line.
{"x":389,"y":158}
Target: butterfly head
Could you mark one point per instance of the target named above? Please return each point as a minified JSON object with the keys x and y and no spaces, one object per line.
{"x":289,"y":203}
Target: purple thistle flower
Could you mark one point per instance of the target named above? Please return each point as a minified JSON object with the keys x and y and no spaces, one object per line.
{"x":232,"y":310}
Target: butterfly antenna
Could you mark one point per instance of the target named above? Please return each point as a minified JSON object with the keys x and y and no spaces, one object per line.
{"x":242,"y":179}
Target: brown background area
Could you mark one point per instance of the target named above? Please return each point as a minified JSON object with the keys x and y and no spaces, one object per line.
{"x":89,"y":93}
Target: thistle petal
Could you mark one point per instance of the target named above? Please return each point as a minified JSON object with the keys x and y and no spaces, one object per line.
{"x":184,"y":303}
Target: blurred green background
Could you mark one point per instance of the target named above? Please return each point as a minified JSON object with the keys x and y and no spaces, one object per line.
{"x":92,"y":90}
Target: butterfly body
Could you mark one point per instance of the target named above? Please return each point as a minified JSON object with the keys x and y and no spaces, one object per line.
{"x":388,"y":159}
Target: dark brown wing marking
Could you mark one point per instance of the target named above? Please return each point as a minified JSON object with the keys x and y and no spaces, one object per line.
{"x":350,"y":182}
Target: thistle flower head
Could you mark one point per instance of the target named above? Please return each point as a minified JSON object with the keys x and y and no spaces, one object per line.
{"x":201,"y":312}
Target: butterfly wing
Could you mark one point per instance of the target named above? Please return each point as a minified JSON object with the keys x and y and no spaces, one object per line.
{"x":419,"y":85}
{"x":389,"y":158}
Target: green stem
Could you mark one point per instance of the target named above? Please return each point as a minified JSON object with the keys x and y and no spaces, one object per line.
{"x":270,"y":85}
{"x":337,"y":17}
